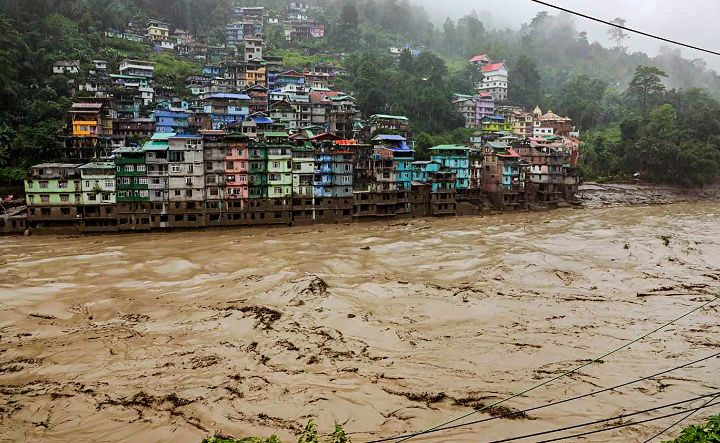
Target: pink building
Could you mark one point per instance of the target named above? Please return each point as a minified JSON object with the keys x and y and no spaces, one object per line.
{"x":484,"y":106}
{"x":236,"y":169}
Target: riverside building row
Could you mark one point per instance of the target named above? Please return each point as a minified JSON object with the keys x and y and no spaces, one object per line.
{"x":219,"y":178}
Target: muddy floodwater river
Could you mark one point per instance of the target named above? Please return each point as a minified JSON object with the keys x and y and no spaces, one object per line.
{"x":384,"y":327}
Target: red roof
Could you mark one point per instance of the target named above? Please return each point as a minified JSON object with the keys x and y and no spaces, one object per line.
{"x":493,"y":67}
{"x":479,"y":58}
{"x":326,"y":136}
{"x":320,"y":97}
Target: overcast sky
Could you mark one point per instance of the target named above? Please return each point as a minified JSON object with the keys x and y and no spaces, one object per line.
{"x":693,"y":22}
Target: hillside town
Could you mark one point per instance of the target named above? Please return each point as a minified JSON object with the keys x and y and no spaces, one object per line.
{"x":255,"y":143}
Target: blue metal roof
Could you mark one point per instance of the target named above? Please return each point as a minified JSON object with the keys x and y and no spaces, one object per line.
{"x":391,"y":137}
{"x":231,"y":96}
{"x":262,"y":119}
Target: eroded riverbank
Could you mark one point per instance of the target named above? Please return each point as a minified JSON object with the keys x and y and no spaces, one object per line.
{"x":170,"y":337}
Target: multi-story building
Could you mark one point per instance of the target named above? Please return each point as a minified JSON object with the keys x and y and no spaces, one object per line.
{"x":279,"y":165}
{"x":92,"y":130}
{"x":465,"y":106}
{"x":236,"y":33}
{"x":173,"y":120}
{"x":157,"y":30}
{"x":53,"y":193}
{"x":257,"y":171}
{"x":342,"y":172}
{"x":137,"y":68}
{"x":253,"y":48}
{"x":225,"y":109}
{"x":237,"y":166}
{"x":134,"y":128}
{"x":481,"y":60}
{"x":495,"y":80}
{"x":495,"y":124}
{"x":456,"y":159}
{"x":343,"y":114}
{"x":98,"y":210}
{"x":522,"y":123}
{"x":131,"y":189}
{"x":303,"y":168}
{"x":215,"y":156}
{"x":397,"y":123}
{"x":186,"y":180}
{"x":484,"y":107}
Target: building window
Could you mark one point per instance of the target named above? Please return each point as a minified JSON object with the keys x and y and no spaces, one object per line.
{"x":44,"y":198}
{"x":129,"y":168}
{"x":175,"y":168}
{"x":29,"y":183}
{"x":62,"y":185}
{"x":178,"y":193}
{"x":143,"y":180}
{"x":144,"y":194}
{"x":141,"y":168}
{"x":188,"y":181}
{"x":158,"y":194}
{"x":43,"y":184}
{"x":188,"y":193}
{"x":214,"y":191}
{"x":190,"y":168}
{"x":125,"y":180}
{"x":276,"y":165}
{"x":91,"y":196}
{"x":277,"y":190}
{"x":109,"y":184}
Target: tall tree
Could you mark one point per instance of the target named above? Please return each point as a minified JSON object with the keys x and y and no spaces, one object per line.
{"x":646,"y":87}
{"x":524,"y":83}
{"x":618,"y":35}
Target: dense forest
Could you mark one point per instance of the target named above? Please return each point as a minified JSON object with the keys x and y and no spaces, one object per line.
{"x":637,"y":113}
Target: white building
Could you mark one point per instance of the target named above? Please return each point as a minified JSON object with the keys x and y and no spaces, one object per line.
{"x":495,"y":80}
{"x":98,"y":183}
{"x":186,"y":178}
{"x":66,"y":67}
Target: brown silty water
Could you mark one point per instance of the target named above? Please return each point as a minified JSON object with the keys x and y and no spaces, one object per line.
{"x":387,"y":328}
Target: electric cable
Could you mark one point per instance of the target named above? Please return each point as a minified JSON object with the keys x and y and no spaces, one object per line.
{"x":679,"y":421}
{"x":554,"y":403}
{"x":563,"y":374}
{"x":605,"y":22}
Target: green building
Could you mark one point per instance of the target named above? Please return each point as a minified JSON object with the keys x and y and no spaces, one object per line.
{"x":257,"y":171}
{"x":131,"y":175}
{"x":279,"y":165}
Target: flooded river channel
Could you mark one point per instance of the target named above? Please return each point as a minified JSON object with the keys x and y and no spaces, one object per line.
{"x":385,"y":327}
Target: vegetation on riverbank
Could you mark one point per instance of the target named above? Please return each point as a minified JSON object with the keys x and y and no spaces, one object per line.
{"x":308,"y":435}
{"x":705,"y":433}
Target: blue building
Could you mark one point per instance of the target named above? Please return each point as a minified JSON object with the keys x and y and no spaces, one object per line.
{"x":456,"y":159}
{"x":323,"y":175}
{"x":342,"y":170}
{"x":225,"y":109}
{"x":402,"y":157}
{"x":237,"y":32}
{"x":174,"y":120}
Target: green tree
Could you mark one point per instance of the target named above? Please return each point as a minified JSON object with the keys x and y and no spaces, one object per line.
{"x":646,"y":87}
{"x":524,"y":83}
{"x":405,"y":62}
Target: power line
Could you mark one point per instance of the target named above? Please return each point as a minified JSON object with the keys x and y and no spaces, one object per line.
{"x":680,"y":421}
{"x":547,"y":405}
{"x":564,"y":374}
{"x":604,"y":420}
{"x":624,"y":425}
{"x":697,"y":48}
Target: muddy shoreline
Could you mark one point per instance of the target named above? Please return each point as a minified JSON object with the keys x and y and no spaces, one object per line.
{"x":387,"y":328}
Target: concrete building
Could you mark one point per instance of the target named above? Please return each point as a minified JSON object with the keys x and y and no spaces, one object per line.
{"x":279,"y":165}
{"x":131,"y":184}
{"x":237,"y":167}
{"x":137,"y":68}
{"x":495,"y":80}
{"x":98,"y":210}
{"x":456,"y":159}
{"x":53,"y":193}
{"x":186,"y":180}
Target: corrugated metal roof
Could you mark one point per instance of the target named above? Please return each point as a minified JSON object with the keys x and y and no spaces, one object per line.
{"x":389,"y":137}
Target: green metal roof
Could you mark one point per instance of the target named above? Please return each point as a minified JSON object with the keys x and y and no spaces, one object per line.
{"x":155,"y":145}
{"x":446,"y":147}
{"x":276,"y":134}
{"x":162,"y":135}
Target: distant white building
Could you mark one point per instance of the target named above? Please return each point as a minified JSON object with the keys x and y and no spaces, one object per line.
{"x":66,"y":67}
